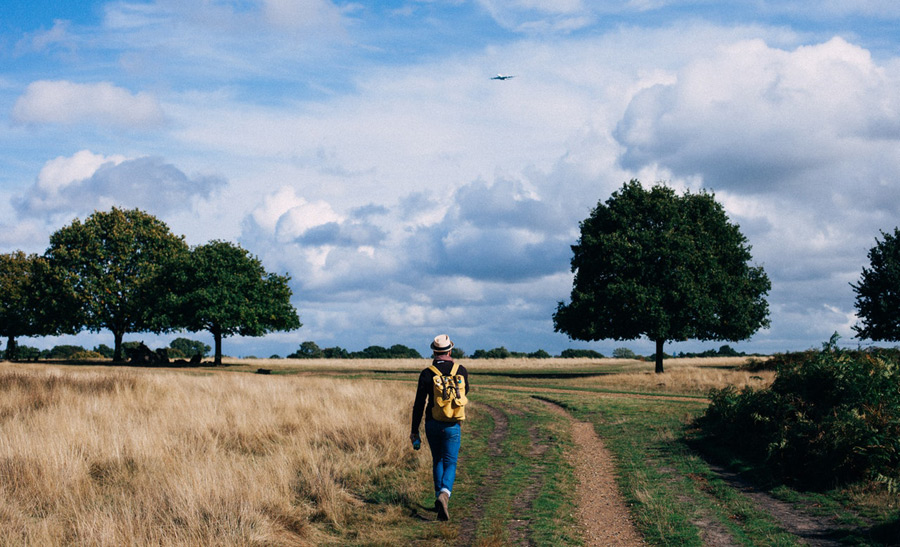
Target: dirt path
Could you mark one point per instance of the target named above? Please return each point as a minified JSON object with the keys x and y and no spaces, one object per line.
{"x":813,"y":530}
{"x":602,"y":511}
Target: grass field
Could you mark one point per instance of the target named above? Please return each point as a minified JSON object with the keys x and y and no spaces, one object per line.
{"x":317,"y":454}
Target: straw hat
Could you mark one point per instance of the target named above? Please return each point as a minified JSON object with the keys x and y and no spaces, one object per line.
{"x":441,"y":344}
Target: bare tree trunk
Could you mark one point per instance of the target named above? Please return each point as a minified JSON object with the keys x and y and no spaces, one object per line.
{"x":659,"y":355}
{"x":117,"y":350}
{"x":217,"y":335}
{"x":11,"y":349}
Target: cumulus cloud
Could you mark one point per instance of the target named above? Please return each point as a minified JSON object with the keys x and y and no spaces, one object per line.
{"x":64,"y":102}
{"x":86,"y":181}
{"x":759,"y":117}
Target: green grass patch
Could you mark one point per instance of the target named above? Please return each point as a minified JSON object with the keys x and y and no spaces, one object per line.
{"x":673,"y":493}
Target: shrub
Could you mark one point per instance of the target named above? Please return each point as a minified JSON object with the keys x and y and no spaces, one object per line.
{"x":496,"y":353}
{"x":580,"y":353}
{"x":187,"y":348}
{"x":830,"y":417}
{"x":86,"y":355}
{"x":105,"y":351}
{"x":27,"y":353}
{"x":63,"y":352}
{"x":624,"y":353}
{"x":336,"y":352}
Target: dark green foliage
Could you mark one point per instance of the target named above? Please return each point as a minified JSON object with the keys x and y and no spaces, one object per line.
{"x":113,"y":261}
{"x":624,"y":353}
{"x":186,"y":348}
{"x":311,"y":350}
{"x":668,"y":267}
{"x":539,"y":354}
{"x":580,"y":353}
{"x":457,"y":353}
{"x":63,"y":351}
{"x":496,"y":353}
{"x":396,"y":351}
{"x":878,"y":291}
{"x":830,"y":417}
{"x":34,"y":300}
{"x":105,"y":351}
{"x":336,"y":352}
{"x":308,"y":350}
{"x":723,"y":351}
{"x":221,"y":288}
{"x":130,"y":347}
{"x":28,"y":353}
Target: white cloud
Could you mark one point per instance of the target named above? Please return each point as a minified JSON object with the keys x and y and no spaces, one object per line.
{"x":64,"y":102}
{"x":84,"y":182}
{"x":754,"y":115}
{"x":58,"y":35}
{"x":63,"y":171}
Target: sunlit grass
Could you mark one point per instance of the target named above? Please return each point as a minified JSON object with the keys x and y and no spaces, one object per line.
{"x":116,"y":457}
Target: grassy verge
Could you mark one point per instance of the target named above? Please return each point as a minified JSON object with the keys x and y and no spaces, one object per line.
{"x":674,"y":495}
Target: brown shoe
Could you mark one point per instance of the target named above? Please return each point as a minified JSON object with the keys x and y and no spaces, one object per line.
{"x":440,"y":504}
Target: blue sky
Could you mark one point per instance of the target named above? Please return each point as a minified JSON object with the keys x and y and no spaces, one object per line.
{"x":362,"y":147}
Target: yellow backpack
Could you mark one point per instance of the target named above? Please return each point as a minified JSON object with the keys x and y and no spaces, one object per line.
{"x":449,"y":396}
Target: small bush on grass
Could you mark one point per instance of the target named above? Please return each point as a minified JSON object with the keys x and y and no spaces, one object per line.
{"x":86,"y":355}
{"x":829,"y":418}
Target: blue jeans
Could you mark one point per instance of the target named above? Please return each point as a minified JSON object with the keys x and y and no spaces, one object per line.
{"x":443,"y":440}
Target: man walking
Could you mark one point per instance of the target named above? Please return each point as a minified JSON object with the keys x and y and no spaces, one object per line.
{"x":442,"y":388}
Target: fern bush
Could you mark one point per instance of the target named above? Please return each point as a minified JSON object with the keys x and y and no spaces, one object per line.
{"x":831,"y":417}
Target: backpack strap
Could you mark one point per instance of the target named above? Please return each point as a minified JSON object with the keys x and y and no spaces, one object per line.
{"x":435,"y":370}
{"x":454,"y":369}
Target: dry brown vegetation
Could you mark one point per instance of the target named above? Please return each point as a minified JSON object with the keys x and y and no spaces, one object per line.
{"x":113,"y":457}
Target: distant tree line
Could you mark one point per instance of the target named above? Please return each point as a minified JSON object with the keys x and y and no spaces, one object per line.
{"x":180,"y":348}
{"x":124,"y":271}
{"x":311,"y":350}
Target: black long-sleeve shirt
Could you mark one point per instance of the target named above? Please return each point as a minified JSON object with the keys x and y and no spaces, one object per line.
{"x":425,"y":389}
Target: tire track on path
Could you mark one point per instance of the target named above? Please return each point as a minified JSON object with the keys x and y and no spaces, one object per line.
{"x":518,"y":523}
{"x":602,"y":512}
{"x":501,"y":430}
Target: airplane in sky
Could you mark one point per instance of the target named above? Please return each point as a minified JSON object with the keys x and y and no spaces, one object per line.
{"x":502,"y":77}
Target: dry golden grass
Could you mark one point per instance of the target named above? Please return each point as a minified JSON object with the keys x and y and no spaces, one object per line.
{"x":692,"y":375}
{"x":690,"y":380}
{"x":523,"y":363}
{"x":124,"y":457}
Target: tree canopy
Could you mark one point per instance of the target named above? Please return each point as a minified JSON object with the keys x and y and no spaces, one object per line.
{"x":35,"y":301}
{"x":113,"y":260}
{"x":223,"y":289}
{"x":878,"y":291}
{"x":653,"y":263}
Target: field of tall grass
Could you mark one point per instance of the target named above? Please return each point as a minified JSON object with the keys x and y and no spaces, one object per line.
{"x":116,"y":457}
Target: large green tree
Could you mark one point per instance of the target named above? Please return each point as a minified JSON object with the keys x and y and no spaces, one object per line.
{"x":223,"y":289}
{"x":35,"y":300}
{"x":653,"y":263}
{"x":114,"y":260}
{"x":878,"y":291}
